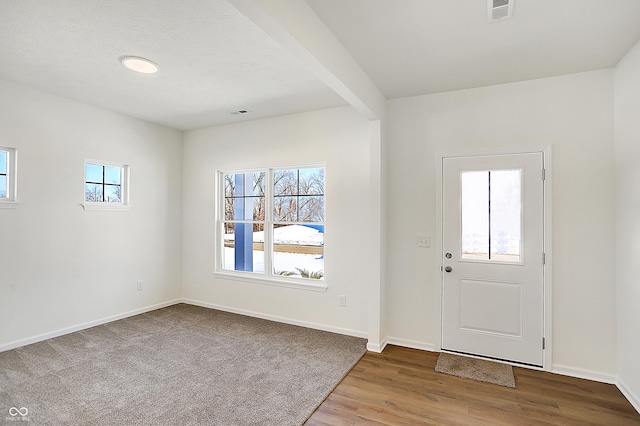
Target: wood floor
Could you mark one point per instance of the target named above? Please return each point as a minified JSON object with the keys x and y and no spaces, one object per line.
{"x":400,"y":387}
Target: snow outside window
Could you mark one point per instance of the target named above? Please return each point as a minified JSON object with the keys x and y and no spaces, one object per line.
{"x":272,"y":223}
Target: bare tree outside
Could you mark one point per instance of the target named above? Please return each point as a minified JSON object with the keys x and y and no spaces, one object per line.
{"x":299,"y":195}
{"x":296,"y":221}
{"x":103,"y":183}
{"x":116,"y":194}
{"x":93,"y":192}
{"x":232,"y":196}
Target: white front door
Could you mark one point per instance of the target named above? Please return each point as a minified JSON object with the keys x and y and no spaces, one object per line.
{"x":493,"y":266}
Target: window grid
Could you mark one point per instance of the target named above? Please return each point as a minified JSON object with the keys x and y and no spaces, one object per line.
{"x":260,"y":202}
{"x":113,"y":188}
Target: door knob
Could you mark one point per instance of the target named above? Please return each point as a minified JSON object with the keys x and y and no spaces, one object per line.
{"x":448,"y":269}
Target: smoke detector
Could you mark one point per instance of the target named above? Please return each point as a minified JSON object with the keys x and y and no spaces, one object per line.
{"x":498,"y":10}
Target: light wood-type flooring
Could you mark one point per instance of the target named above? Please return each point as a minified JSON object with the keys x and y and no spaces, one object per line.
{"x":400,"y":387}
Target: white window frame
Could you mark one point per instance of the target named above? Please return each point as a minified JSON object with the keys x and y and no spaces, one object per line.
{"x":11,"y":200}
{"x":268,"y":277}
{"x":103,"y":205}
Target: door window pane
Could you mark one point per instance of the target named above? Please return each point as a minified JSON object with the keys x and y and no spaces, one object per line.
{"x":475,"y":215}
{"x":491,"y":215}
{"x":506,"y":216}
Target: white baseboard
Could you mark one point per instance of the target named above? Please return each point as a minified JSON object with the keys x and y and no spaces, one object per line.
{"x":631,"y":397}
{"x":375,"y":347}
{"x":580,"y":373}
{"x":413,"y":344}
{"x":557,"y":369}
{"x":72,"y":329}
{"x":323,"y":327}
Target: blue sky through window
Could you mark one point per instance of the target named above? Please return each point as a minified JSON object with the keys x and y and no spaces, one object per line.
{"x":3,"y":162}
{"x":103,"y":183}
{"x":3,"y":174}
{"x":297,"y":196}
{"x":94,"y":173}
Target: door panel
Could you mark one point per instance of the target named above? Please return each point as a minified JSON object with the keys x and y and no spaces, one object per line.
{"x":492,"y":295}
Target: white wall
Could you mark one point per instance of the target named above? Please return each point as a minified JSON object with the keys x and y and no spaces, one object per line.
{"x":627,"y":155}
{"x":339,"y":137}
{"x":61,"y":266}
{"x":571,"y":113}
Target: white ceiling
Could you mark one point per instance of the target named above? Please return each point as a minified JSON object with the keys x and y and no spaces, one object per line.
{"x":214,"y":60}
{"x":412,"y":47}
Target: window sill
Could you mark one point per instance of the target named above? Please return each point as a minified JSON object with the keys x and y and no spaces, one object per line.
{"x":106,"y":207}
{"x":289,"y":283}
{"x":8,"y":204}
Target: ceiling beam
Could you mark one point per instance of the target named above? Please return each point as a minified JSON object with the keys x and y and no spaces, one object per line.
{"x":296,"y":27}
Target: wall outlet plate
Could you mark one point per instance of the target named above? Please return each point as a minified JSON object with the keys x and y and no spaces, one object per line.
{"x":424,"y":241}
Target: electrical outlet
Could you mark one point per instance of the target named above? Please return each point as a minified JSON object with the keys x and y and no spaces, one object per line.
{"x":343,"y":300}
{"x":140,"y":284}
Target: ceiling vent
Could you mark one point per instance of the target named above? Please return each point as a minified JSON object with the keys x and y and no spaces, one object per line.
{"x":498,"y":10}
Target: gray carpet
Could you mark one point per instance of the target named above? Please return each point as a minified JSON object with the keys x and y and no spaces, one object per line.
{"x":476,"y":369}
{"x":182,"y":365}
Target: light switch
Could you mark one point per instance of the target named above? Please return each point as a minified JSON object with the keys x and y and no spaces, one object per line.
{"x":424,"y":241}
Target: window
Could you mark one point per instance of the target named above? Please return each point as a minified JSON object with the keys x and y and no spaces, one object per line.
{"x":492,"y":215}
{"x":7,"y":177}
{"x":4,"y":166}
{"x":272,"y":223}
{"x":105,"y":186}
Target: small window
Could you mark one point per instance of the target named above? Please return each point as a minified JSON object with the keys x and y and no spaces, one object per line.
{"x":105,"y":185}
{"x":272,"y":223}
{"x":7,"y":176}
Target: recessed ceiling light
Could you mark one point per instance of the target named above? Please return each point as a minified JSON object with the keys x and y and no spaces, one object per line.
{"x":240,"y":111}
{"x":138,"y":64}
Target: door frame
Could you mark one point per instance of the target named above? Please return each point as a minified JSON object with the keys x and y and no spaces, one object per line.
{"x":547,"y":278}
